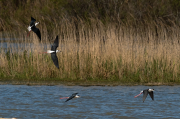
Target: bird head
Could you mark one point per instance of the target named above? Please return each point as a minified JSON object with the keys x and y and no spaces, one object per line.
{"x":58,"y":51}
{"x":151,"y":90}
{"x":77,"y":96}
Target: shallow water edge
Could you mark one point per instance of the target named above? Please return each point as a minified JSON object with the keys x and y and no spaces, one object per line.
{"x":82,"y":83}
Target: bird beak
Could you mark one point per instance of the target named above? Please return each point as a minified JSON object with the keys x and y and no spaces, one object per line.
{"x":77,"y":96}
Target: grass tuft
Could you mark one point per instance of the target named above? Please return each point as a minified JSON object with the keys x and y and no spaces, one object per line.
{"x":111,"y":41}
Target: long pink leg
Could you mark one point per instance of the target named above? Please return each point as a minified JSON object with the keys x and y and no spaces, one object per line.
{"x":137,"y":95}
{"x":28,"y":33}
{"x":42,"y":52}
{"x":64,"y":98}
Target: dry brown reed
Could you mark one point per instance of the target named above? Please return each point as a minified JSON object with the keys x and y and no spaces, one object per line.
{"x":95,"y":51}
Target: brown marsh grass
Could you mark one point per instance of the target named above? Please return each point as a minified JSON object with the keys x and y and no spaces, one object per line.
{"x":97,"y":52}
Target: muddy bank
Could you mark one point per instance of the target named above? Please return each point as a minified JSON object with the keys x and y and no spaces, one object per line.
{"x":80,"y":83}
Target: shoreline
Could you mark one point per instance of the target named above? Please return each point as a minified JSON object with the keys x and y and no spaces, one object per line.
{"x":80,"y":83}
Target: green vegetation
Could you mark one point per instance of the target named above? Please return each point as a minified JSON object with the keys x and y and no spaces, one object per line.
{"x":126,"y":41}
{"x":16,"y":13}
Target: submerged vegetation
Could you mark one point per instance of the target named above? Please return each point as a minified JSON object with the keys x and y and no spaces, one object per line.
{"x":123,"y":41}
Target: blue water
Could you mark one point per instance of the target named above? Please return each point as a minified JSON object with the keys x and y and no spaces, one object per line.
{"x":19,"y":47}
{"x":96,"y":102}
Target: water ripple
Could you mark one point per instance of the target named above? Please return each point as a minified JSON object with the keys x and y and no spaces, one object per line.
{"x":23,"y":101}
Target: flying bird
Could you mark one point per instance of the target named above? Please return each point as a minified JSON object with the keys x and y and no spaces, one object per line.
{"x":32,"y":27}
{"x":74,"y":95}
{"x":53,"y":52}
{"x":145,"y":93}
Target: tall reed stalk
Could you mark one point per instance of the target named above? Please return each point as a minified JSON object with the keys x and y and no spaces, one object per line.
{"x":97,"y":52}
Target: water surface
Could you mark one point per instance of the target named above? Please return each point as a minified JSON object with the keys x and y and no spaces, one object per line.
{"x":96,"y":102}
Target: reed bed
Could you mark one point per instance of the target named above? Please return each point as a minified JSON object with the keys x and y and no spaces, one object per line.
{"x":96,"y":52}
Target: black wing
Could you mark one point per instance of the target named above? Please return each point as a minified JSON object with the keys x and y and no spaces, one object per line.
{"x":37,"y":31}
{"x":145,"y":93}
{"x":34,"y":29}
{"x":152,"y":95}
{"x":55,"y":59}
{"x":72,"y":96}
{"x":55,"y":44}
{"x":53,"y":55}
{"x":32,"y":21}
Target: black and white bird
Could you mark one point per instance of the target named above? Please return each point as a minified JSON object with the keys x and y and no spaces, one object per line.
{"x":32,"y":27}
{"x":74,"y":95}
{"x":145,"y":93}
{"x":54,"y":50}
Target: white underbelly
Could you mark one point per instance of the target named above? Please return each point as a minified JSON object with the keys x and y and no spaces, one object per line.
{"x":50,"y":51}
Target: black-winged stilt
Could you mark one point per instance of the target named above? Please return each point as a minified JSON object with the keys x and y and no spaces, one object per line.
{"x":145,"y":93}
{"x":32,"y":27}
{"x":74,"y":95}
{"x":53,"y":52}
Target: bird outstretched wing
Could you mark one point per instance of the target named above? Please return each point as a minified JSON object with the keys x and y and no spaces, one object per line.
{"x":34,"y":29}
{"x":55,"y":44}
{"x":151,"y":95}
{"x":53,"y":55}
{"x":71,"y":97}
{"x":37,"y":31}
{"x":145,"y":93}
{"x":55,"y":59}
{"x":32,"y":21}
